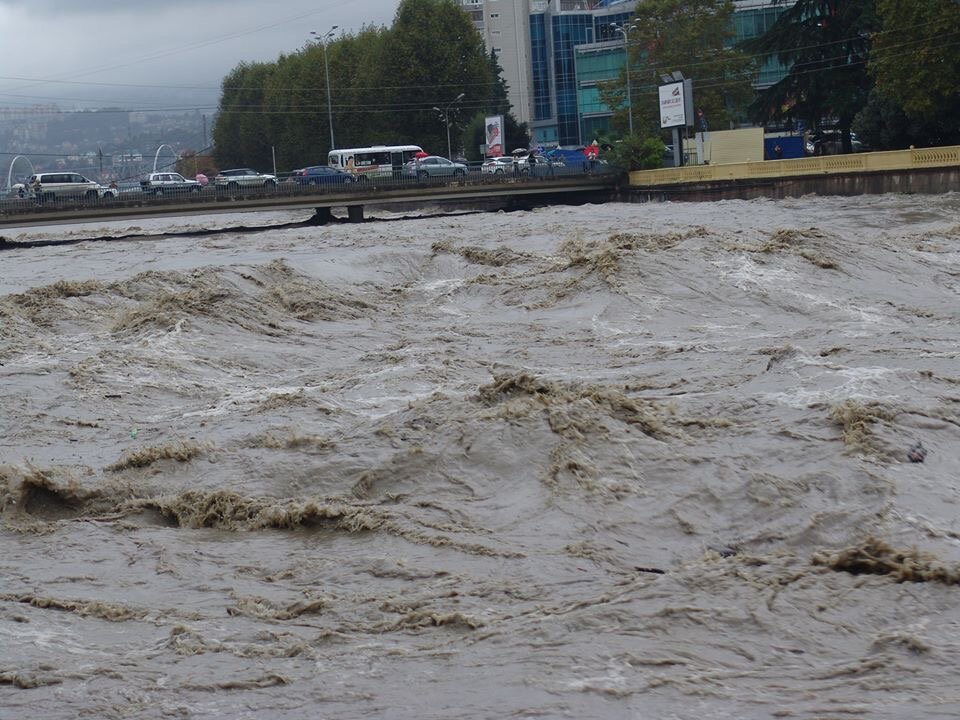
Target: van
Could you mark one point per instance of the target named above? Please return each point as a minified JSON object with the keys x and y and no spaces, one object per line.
{"x":63,"y":185}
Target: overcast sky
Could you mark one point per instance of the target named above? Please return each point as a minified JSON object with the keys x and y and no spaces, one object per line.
{"x":139,"y":54}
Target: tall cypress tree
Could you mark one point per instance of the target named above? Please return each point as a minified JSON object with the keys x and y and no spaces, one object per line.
{"x":826,"y":44}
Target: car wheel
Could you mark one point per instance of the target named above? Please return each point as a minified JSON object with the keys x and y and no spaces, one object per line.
{"x":459,"y":174}
{"x":232,"y":186}
{"x":422,"y":175}
{"x":91,"y":195}
{"x":270,"y":184}
{"x":158,"y":192}
{"x":196,"y":188}
{"x":314,"y":182}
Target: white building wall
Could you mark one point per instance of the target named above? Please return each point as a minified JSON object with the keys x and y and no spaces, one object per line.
{"x":506,"y":28}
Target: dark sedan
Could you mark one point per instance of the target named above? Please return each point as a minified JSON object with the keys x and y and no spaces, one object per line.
{"x":321,"y":175}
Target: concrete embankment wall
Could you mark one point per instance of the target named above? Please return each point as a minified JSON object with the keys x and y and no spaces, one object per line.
{"x":928,"y":170}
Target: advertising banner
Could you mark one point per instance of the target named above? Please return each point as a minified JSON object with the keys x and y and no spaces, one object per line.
{"x":672,"y":105}
{"x":494,"y":135}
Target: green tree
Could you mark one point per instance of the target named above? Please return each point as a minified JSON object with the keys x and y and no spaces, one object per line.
{"x":636,"y":152}
{"x":431,"y":55}
{"x":883,"y":125}
{"x":825,"y":44}
{"x":239,"y":134}
{"x":694,"y":37}
{"x":384,"y":84}
{"x":915,"y":59}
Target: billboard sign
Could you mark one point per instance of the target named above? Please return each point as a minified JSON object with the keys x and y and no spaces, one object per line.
{"x":494,"y":134}
{"x":672,"y":105}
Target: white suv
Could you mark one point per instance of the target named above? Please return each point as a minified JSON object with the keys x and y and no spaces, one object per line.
{"x":244,"y":178}
{"x":62,"y":185}
{"x":168,"y":182}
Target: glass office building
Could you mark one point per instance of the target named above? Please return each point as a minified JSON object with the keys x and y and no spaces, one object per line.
{"x":557,"y":28}
{"x":556,"y":52}
{"x":604,"y":61}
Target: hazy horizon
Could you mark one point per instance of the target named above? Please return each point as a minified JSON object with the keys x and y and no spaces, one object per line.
{"x":154,"y":57}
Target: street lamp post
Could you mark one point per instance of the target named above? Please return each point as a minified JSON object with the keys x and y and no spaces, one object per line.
{"x":446,"y":120}
{"x":625,"y":31}
{"x":326,"y":72}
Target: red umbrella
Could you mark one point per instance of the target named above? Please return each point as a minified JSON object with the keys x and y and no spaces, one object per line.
{"x":421,"y":154}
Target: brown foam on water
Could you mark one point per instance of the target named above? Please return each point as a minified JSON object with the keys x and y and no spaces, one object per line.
{"x":875,"y":557}
{"x":801,"y":242}
{"x":498,"y":257}
{"x":27,"y":680}
{"x":83,"y":608}
{"x":857,"y":420}
{"x":143,"y":457}
{"x":519,"y":394}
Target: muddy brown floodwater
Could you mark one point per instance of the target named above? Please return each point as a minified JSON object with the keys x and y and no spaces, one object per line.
{"x":610,"y":461}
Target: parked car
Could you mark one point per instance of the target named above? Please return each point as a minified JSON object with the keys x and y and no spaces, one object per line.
{"x":66,"y":185}
{"x":321,"y":175}
{"x":244,"y":178}
{"x":536,"y":165}
{"x":434,"y":166}
{"x":830,"y":142}
{"x":168,"y":182}
{"x":505,"y":165}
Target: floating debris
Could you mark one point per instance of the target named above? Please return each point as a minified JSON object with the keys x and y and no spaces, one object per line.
{"x":875,"y":557}
{"x":917,"y":453}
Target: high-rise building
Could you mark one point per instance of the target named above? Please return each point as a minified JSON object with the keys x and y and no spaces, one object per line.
{"x":554,"y":53}
{"x":534,"y":41}
{"x":505,"y":27}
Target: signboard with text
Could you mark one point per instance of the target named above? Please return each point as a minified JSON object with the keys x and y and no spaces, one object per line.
{"x":672,"y":105}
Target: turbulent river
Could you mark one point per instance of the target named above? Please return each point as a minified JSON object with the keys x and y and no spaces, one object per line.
{"x":612,"y":461}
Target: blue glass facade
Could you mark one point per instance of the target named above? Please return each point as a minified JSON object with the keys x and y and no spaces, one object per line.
{"x":568,"y":32}
{"x":553,"y":38}
{"x":540,"y":60}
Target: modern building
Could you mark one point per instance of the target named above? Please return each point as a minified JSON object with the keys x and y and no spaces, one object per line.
{"x":554,"y":54}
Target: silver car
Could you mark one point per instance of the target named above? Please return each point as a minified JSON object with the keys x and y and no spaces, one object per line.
{"x":168,"y":182}
{"x":434,"y":166}
{"x":504,"y":165}
{"x":244,"y":178}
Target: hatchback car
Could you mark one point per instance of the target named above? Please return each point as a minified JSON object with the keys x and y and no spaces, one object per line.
{"x":321,"y":175}
{"x":505,"y":165}
{"x":434,"y":166}
{"x":244,"y":178}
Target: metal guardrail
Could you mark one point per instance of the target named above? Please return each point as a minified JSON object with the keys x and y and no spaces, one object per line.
{"x":288,"y":193}
{"x":864,"y":162}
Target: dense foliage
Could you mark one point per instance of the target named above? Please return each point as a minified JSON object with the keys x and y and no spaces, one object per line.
{"x":825,"y":44}
{"x":887,"y":68}
{"x":384,"y":86}
{"x":694,"y":37}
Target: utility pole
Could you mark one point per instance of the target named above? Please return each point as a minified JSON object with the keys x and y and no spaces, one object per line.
{"x":625,"y":31}
{"x":326,"y":71}
{"x":446,"y":120}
